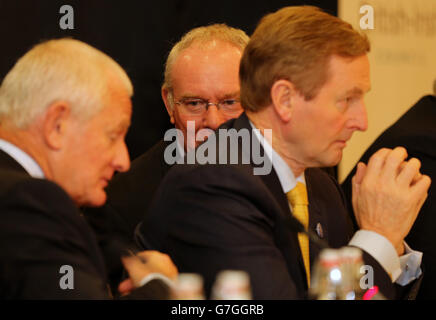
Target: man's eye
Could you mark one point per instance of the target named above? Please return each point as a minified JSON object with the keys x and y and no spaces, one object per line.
{"x":343,"y":104}
{"x":230,"y":105}
{"x":194,"y":103}
{"x":228,"y":102}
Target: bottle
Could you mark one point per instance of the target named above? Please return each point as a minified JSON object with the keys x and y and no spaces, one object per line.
{"x":327,"y":276}
{"x":189,"y":286}
{"x":232,"y":285}
{"x":337,"y":276}
{"x":351,"y":264}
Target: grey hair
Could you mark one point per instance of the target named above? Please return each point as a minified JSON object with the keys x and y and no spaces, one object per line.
{"x":202,"y":36}
{"x":58,"y":70}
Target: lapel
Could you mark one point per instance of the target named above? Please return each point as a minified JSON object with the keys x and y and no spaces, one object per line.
{"x":316,"y":218}
{"x":285,"y":239}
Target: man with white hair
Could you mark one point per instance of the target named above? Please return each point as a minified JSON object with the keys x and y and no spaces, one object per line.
{"x":201,"y":90}
{"x":64,"y":111}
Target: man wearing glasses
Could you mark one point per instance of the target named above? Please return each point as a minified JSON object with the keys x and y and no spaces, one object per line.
{"x":200,"y":92}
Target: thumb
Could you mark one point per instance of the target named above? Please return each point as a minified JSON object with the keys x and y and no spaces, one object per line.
{"x":360,"y":173}
{"x":356,"y":182}
{"x":135,"y":268}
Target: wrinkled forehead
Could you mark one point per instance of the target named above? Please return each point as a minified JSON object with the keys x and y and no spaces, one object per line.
{"x":207,"y":69}
{"x":210,"y":52}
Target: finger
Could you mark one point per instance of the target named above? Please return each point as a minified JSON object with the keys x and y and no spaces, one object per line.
{"x":417,"y":178}
{"x":131,"y":262}
{"x":125,"y":287}
{"x":409,"y":172}
{"x":147,"y":253}
{"x":421,"y":186}
{"x":401,"y":167}
{"x":356,"y":182}
{"x":135,"y":268}
{"x":360,"y":173}
{"x":392,"y":164}
{"x":376,"y":163}
{"x":150,"y":255}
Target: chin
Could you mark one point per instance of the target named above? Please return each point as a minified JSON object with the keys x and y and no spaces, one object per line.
{"x":98,"y":200}
{"x":332,"y":161}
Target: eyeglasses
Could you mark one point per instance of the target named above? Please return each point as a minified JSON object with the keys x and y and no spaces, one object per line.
{"x":200,"y":106}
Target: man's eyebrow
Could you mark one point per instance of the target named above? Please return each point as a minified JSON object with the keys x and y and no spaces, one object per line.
{"x":232,"y":95}
{"x":191,"y":96}
{"x":356,"y":91}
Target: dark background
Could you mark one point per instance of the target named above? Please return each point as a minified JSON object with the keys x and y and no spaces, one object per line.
{"x":137,"y":34}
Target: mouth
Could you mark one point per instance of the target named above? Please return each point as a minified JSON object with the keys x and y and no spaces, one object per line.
{"x":342,"y":143}
{"x":104,"y":182}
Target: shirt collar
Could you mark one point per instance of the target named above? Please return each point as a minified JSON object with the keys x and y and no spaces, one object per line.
{"x":287,"y":178}
{"x":180,"y":151}
{"x":26,"y":161}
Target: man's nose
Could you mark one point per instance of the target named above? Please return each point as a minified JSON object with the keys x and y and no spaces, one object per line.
{"x":122,"y":159}
{"x":213,"y":118}
{"x":359,"y":119}
{"x":363,"y":119}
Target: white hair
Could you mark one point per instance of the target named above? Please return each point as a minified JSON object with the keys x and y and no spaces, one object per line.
{"x":58,"y":70}
{"x":202,"y":36}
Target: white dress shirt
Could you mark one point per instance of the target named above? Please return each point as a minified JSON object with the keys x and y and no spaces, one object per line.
{"x":402,"y":270}
{"x":26,"y":161}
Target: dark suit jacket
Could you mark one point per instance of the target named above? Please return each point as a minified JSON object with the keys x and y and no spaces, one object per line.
{"x":416,"y":131}
{"x":214,"y":217}
{"x":41,"y":230}
{"x":129,"y":197}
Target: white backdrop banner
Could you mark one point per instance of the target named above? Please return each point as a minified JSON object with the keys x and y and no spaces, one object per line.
{"x":403,"y":62}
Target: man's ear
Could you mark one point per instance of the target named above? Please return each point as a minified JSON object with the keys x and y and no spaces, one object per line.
{"x":55,"y":123}
{"x":282,"y":94}
{"x":166,"y":99}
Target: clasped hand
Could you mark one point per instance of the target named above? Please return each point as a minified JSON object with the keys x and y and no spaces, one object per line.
{"x":388,"y":194}
{"x":144,"y":264}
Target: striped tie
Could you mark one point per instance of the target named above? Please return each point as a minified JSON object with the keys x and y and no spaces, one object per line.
{"x":299,"y":203}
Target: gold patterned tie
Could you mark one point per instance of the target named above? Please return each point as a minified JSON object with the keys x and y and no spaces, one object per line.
{"x":299,"y":203}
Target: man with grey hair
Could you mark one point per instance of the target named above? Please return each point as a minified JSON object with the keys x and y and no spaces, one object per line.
{"x":64,"y":111}
{"x":200,"y":92}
